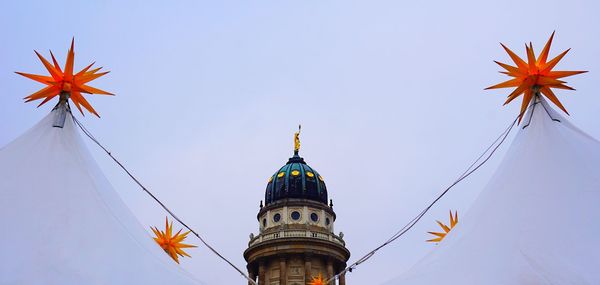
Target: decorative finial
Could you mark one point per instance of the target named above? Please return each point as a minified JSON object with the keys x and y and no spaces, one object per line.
{"x":297,"y":140}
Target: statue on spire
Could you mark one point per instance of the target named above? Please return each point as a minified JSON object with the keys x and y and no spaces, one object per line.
{"x":297,"y":140}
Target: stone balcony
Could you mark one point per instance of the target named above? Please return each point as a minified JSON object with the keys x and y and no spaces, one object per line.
{"x":295,"y":233}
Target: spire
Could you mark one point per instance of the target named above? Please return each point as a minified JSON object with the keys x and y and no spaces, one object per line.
{"x":297,"y":141}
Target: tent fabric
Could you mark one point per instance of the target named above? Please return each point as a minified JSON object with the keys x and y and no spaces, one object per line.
{"x":537,"y":220}
{"x":62,"y":221}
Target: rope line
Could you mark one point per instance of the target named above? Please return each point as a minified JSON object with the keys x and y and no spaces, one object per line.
{"x":89,"y":135}
{"x":472,"y":168}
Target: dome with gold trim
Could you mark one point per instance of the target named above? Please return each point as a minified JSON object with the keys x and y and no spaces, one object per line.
{"x":296,"y":180}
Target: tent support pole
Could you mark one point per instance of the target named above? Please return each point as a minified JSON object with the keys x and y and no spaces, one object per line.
{"x":61,"y":110}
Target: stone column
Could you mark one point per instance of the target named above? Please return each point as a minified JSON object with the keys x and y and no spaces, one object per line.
{"x":307,"y":269}
{"x":330,"y":271}
{"x":342,"y":279}
{"x":282,"y":271}
{"x":261,"y":273}
{"x":252,"y":276}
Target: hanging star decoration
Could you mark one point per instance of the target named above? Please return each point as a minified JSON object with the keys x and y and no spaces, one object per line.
{"x":317,"y":280}
{"x":170,"y":243}
{"x":439,"y":235}
{"x":63,"y":82}
{"x":534,"y":76}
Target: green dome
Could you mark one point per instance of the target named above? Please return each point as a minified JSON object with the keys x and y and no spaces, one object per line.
{"x":296,"y":180}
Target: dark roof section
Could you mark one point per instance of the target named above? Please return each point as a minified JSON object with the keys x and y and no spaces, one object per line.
{"x":296,"y":180}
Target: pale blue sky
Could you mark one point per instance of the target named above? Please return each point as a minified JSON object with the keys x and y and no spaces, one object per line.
{"x":389,"y":93}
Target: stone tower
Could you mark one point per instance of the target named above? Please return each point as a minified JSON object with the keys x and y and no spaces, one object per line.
{"x":296,"y":239}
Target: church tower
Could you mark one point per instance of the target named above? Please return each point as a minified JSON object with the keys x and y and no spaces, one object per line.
{"x":296,"y":239}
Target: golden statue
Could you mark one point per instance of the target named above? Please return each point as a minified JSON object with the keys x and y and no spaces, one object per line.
{"x":297,"y":140}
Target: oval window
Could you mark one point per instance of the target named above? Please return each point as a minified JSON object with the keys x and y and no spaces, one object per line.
{"x":277,"y":218}
{"x":296,"y":215}
{"x":314,"y":217}
{"x":327,"y":221}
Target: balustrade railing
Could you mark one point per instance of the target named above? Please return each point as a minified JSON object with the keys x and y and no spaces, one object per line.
{"x":297,"y":234}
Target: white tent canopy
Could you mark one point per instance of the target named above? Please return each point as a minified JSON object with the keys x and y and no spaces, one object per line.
{"x":537,"y":220}
{"x":62,"y":221}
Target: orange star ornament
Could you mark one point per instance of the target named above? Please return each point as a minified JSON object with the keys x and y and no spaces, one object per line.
{"x":534,"y":76}
{"x":317,"y":280}
{"x":170,"y":243}
{"x":440,"y":236}
{"x":64,"y":82}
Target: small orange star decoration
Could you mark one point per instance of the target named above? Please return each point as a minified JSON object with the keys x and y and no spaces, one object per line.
{"x":317,"y":280}
{"x":534,"y":76}
{"x":439,"y":235}
{"x":64,"y":82}
{"x":170,"y":243}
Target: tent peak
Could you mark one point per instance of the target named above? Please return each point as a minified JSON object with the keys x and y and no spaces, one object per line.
{"x":538,"y":100}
